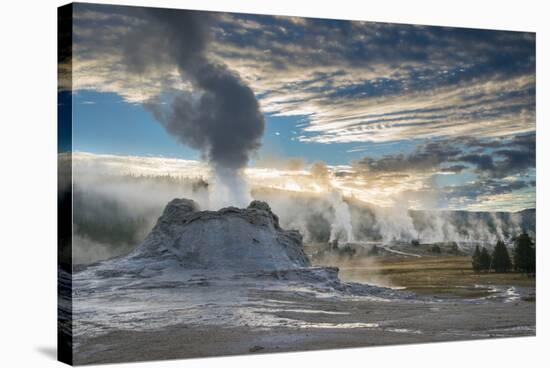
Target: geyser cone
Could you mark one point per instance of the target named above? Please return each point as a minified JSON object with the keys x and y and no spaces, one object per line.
{"x":243,"y":240}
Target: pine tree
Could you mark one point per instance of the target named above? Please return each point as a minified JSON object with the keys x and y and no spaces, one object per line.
{"x":484,"y":260}
{"x":524,"y":254}
{"x":501,"y":259}
{"x":476,"y":260}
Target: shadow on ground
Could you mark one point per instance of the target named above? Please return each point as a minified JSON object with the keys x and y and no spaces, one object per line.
{"x":48,"y":351}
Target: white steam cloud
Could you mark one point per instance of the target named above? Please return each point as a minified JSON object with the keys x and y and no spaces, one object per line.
{"x":118,"y":199}
{"x":341,"y":229}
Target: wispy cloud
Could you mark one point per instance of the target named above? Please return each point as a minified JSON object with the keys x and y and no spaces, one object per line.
{"x":355,"y":81}
{"x":372,"y":84}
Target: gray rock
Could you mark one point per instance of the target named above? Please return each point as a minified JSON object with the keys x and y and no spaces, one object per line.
{"x":242,"y":240}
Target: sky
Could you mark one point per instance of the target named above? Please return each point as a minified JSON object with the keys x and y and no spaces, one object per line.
{"x":425,"y":117}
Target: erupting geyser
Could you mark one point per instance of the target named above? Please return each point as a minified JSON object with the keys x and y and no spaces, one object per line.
{"x":341,"y":229}
{"x":217,"y":113}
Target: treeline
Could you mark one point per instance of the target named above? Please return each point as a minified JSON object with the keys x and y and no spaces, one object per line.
{"x":195,"y":183}
{"x":108,"y":221}
{"x":524,"y":257}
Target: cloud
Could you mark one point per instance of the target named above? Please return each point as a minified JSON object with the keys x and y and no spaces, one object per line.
{"x":380,"y":82}
{"x":483,"y":162}
{"x":490,"y":195}
{"x":455,"y":169}
{"x":271,"y":161}
{"x":355,"y":81}
{"x":508,"y":157}
{"x":480,"y":169}
{"x":494,"y":158}
{"x":426,"y":157}
{"x":466,"y":96}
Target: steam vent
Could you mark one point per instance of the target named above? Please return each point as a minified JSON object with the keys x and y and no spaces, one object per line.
{"x":230,"y":239}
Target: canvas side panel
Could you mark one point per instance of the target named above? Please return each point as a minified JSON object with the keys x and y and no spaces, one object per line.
{"x":64,"y":185}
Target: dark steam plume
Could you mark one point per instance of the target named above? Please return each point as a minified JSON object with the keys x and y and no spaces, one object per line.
{"x":220,"y":116}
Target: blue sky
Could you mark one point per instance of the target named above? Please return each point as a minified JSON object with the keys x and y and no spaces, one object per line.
{"x":433,"y":115}
{"x":105,"y":124}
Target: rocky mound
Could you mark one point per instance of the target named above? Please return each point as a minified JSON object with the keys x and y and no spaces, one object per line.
{"x":237,"y":239}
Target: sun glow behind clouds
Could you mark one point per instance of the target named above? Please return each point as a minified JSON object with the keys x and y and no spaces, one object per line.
{"x":301,"y":181}
{"x":406,"y":191}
